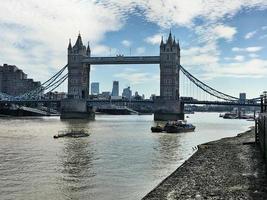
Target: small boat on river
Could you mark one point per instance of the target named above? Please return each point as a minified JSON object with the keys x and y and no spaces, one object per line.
{"x":174,"y":127}
{"x":179,"y":127}
{"x":75,"y":133}
{"x":157,"y":129}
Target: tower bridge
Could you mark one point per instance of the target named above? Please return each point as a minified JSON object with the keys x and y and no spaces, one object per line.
{"x":168,"y":106}
{"x":79,"y":62}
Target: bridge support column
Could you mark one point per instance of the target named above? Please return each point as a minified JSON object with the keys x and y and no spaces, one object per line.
{"x":168,"y":110}
{"x":76,"y":109}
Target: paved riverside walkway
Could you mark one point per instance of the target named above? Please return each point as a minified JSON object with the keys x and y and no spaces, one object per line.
{"x":222,"y":169}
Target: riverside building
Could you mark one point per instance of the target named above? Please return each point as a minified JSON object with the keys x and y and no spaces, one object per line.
{"x":13,"y":81}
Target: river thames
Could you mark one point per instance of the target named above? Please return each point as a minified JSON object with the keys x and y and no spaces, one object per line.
{"x":121,"y":159}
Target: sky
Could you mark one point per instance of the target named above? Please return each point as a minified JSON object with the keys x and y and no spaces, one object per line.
{"x":222,"y":42}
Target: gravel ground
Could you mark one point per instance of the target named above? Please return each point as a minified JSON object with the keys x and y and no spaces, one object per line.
{"x":223,"y":169}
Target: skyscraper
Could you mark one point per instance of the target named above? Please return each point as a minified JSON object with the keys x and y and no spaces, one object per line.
{"x":94,"y":88}
{"x":115,"y":88}
{"x":127,"y":93}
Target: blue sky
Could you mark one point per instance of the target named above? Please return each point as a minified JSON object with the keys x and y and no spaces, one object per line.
{"x":222,"y":42}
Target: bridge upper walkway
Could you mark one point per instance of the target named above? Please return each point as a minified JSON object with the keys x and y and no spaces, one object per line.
{"x":122,"y":60}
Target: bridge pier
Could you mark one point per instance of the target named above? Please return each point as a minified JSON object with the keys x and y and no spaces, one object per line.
{"x":168,"y":110}
{"x":76,"y":109}
{"x":168,"y":116}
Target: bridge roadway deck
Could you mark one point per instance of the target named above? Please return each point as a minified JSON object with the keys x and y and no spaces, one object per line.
{"x":231,"y":103}
{"x":122,"y":60}
{"x":225,"y":103}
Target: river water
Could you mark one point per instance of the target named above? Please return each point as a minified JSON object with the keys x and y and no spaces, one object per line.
{"x":121,"y":159}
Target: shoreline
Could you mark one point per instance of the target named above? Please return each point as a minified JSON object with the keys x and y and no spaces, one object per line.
{"x":229,"y":168}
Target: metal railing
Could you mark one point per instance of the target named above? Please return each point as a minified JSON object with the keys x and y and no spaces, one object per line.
{"x":261,"y":127}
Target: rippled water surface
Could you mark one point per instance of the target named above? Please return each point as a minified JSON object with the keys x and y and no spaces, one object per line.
{"x":121,"y":159}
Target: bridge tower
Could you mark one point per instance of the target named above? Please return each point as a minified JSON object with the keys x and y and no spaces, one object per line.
{"x":78,"y":73}
{"x":75,"y":106}
{"x":168,"y":105}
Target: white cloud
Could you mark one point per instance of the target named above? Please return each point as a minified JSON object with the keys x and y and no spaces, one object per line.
{"x":137,"y":77}
{"x":183,"y":12}
{"x":250,"y":34}
{"x":200,"y":56}
{"x":140,"y":50}
{"x":239,"y":58}
{"x":34,"y":34}
{"x":253,"y":49}
{"x":205,"y":52}
{"x":263,"y":36}
{"x":102,"y":50}
{"x":154,"y":39}
{"x":253,"y":55}
{"x":264,"y":27}
{"x":126,"y":43}
{"x":252,"y":68}
{"x":226,"y":32}
{"x":248,"y":49}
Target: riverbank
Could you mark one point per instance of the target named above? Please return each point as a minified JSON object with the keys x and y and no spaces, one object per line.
{"x":230,"y":168}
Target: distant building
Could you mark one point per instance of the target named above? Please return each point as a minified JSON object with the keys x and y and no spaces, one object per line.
{"x":116,"y":97}
{"x":55,"y":95}
{"x":242,"y":97}
{"x":94,"y":88}
{"x":137,"y":96}
{"x":115,"y":88}
{"x":14,"y":81}
{"x":127,"y":93}
{"x":143,"y":96}
{"x":104,"y":95}
{"x":152,"y":97}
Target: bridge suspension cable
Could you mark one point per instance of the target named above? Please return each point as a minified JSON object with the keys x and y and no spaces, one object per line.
{"x":59,"y":82}
{"x":213,"y":92}
{"x":51,"y":82}
{"x":55,"y":75}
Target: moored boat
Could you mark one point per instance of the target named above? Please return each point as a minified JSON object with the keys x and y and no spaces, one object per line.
{"x":174,"y":127}
{"x":157,"y":129}
{"x":230,"y":116}
{"x":179,"y":127}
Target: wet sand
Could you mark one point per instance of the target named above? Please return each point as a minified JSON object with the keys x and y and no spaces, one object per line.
{"x":230,"y":168}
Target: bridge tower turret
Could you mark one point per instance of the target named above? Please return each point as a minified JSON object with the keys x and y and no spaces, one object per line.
{"x":168,"y":104}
